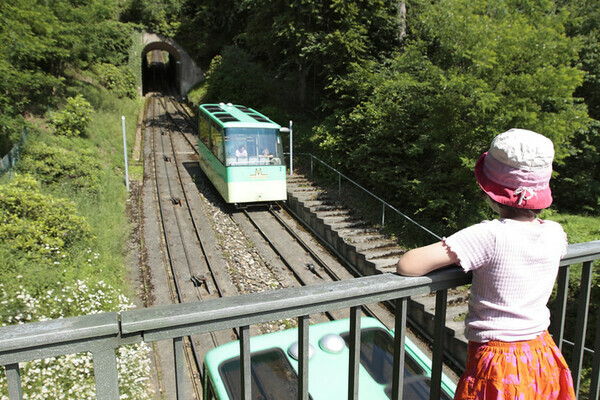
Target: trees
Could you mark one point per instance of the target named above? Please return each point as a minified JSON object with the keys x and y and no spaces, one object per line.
{"x":320,"y":40}
{"x":469,"y":70}
{"x":39,"y":41}
{"x":578,"y":186}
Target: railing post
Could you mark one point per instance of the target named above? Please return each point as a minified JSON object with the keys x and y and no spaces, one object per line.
{"x":13,"y":376}
{"x":582,"y":312}
{"x":558,"y":323}
{"x":245,"y":366}
{"x":595,"y":385}
{"x":179,"y":363}
{"x":106,"y":374}
{"x":354,"y":360}
{"x":291,"y":149}
{"x":339,"y":185}
{"x":441,"y":298}
{"x":303,"y":357}
{"x":399,"y":341}
{"x":383,"y":216}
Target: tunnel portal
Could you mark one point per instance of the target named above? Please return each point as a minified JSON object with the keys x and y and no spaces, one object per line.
{"x":166,"y":67}
{"x":161,"y":70}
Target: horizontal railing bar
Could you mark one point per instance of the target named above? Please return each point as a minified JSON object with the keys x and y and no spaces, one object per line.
{"x":37,"y":334}
{"x":45,"y":338}
{"x":582,"y":252}
{"x":585,"y":349}
{"x":230,"y":312}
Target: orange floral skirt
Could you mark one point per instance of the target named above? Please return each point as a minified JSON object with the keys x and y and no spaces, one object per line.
{"x":528,"y":370}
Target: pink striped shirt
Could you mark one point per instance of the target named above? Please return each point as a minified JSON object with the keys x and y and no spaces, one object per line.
{"x":514,"y":267}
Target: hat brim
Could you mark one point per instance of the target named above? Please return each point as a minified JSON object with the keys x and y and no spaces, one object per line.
{"x":503,"y":195}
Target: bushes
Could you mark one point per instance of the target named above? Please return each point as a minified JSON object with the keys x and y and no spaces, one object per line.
{"x":414,"y":126}
{"x":54,"y":165}
{"x":36,"y":225}
{"x":74,"y":118}
{"x":119,"y":80}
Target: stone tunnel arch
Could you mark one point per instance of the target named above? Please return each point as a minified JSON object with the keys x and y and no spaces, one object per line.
{"x":177,"y":72}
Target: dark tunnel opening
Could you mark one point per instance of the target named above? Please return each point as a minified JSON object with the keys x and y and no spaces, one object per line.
{"x":159,"y":73}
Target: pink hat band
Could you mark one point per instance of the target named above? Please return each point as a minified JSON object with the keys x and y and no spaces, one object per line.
{"x":522,"y":175}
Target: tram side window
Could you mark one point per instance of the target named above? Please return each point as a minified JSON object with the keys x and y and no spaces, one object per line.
{"x":217,"y":145}
{"x":204,"y":132}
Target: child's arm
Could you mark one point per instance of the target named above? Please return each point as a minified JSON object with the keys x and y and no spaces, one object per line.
{"x":423,"y":260}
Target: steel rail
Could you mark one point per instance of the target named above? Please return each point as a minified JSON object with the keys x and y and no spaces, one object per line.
{"x":191,"y":214}
{"x":177,"y":345}
{"x":334,"y":277}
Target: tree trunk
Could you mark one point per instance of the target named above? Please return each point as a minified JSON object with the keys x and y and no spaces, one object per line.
{"x":401,"y":19}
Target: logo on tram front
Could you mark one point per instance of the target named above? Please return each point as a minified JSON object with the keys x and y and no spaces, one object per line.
{"x":258,"y":174}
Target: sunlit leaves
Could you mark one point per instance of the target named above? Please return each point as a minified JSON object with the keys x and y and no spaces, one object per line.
{"x":469,"y":71}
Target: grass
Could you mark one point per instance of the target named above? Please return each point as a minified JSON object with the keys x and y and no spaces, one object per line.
{"x":579,"y":228}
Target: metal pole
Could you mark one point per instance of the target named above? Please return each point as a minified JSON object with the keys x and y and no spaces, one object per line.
{"x":291,"y":150}
{"x":125,"y":152}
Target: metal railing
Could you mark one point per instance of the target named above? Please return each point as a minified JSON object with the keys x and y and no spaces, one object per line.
{"x":384,"y":204}
{"x":10,"y":160}
{"x":102,"y":334}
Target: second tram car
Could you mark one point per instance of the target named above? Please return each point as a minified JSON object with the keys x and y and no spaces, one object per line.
{"x":241,"y":152}
{"x":274,"y":365}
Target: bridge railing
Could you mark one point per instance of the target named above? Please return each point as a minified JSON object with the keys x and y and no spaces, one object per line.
{"x":102,"y":334}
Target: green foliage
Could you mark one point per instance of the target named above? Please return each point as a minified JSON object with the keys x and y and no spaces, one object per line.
{"x":471,"y":70}
{"x":119,"y":80}
{"x":40,"y":41}
{"x":74,"y":118}
{"x":319,"y":40}
{"x":208,"y":26}
{"x":35,"y":225}
{"x":225,"y":84}
{"x":160,"y":17}
{"x":578,"y":186}
{"x":55,"y":165}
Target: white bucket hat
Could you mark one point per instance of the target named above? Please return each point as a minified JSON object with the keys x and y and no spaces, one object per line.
{"x":516,"y":170}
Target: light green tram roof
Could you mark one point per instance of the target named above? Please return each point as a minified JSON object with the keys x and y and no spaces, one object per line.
{"x":326,"y":370}
{"x":237,"y":116}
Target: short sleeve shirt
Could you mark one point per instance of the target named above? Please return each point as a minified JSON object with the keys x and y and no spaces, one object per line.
{"x":514,"y":266}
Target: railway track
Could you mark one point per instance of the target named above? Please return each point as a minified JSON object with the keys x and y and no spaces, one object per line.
{"x":213,"y":250}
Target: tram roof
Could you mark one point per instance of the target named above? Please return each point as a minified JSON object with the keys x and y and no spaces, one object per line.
{"x":237,"y":116}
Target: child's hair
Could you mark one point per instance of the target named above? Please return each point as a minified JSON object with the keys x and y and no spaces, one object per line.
{"x":514,"y":212}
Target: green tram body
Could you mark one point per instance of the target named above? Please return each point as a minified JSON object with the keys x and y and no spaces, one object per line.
{"x":274,"y":370}
{"x":253,"y":178}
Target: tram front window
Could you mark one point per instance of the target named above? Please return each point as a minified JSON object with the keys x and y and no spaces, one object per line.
{"x":253,"y":146}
